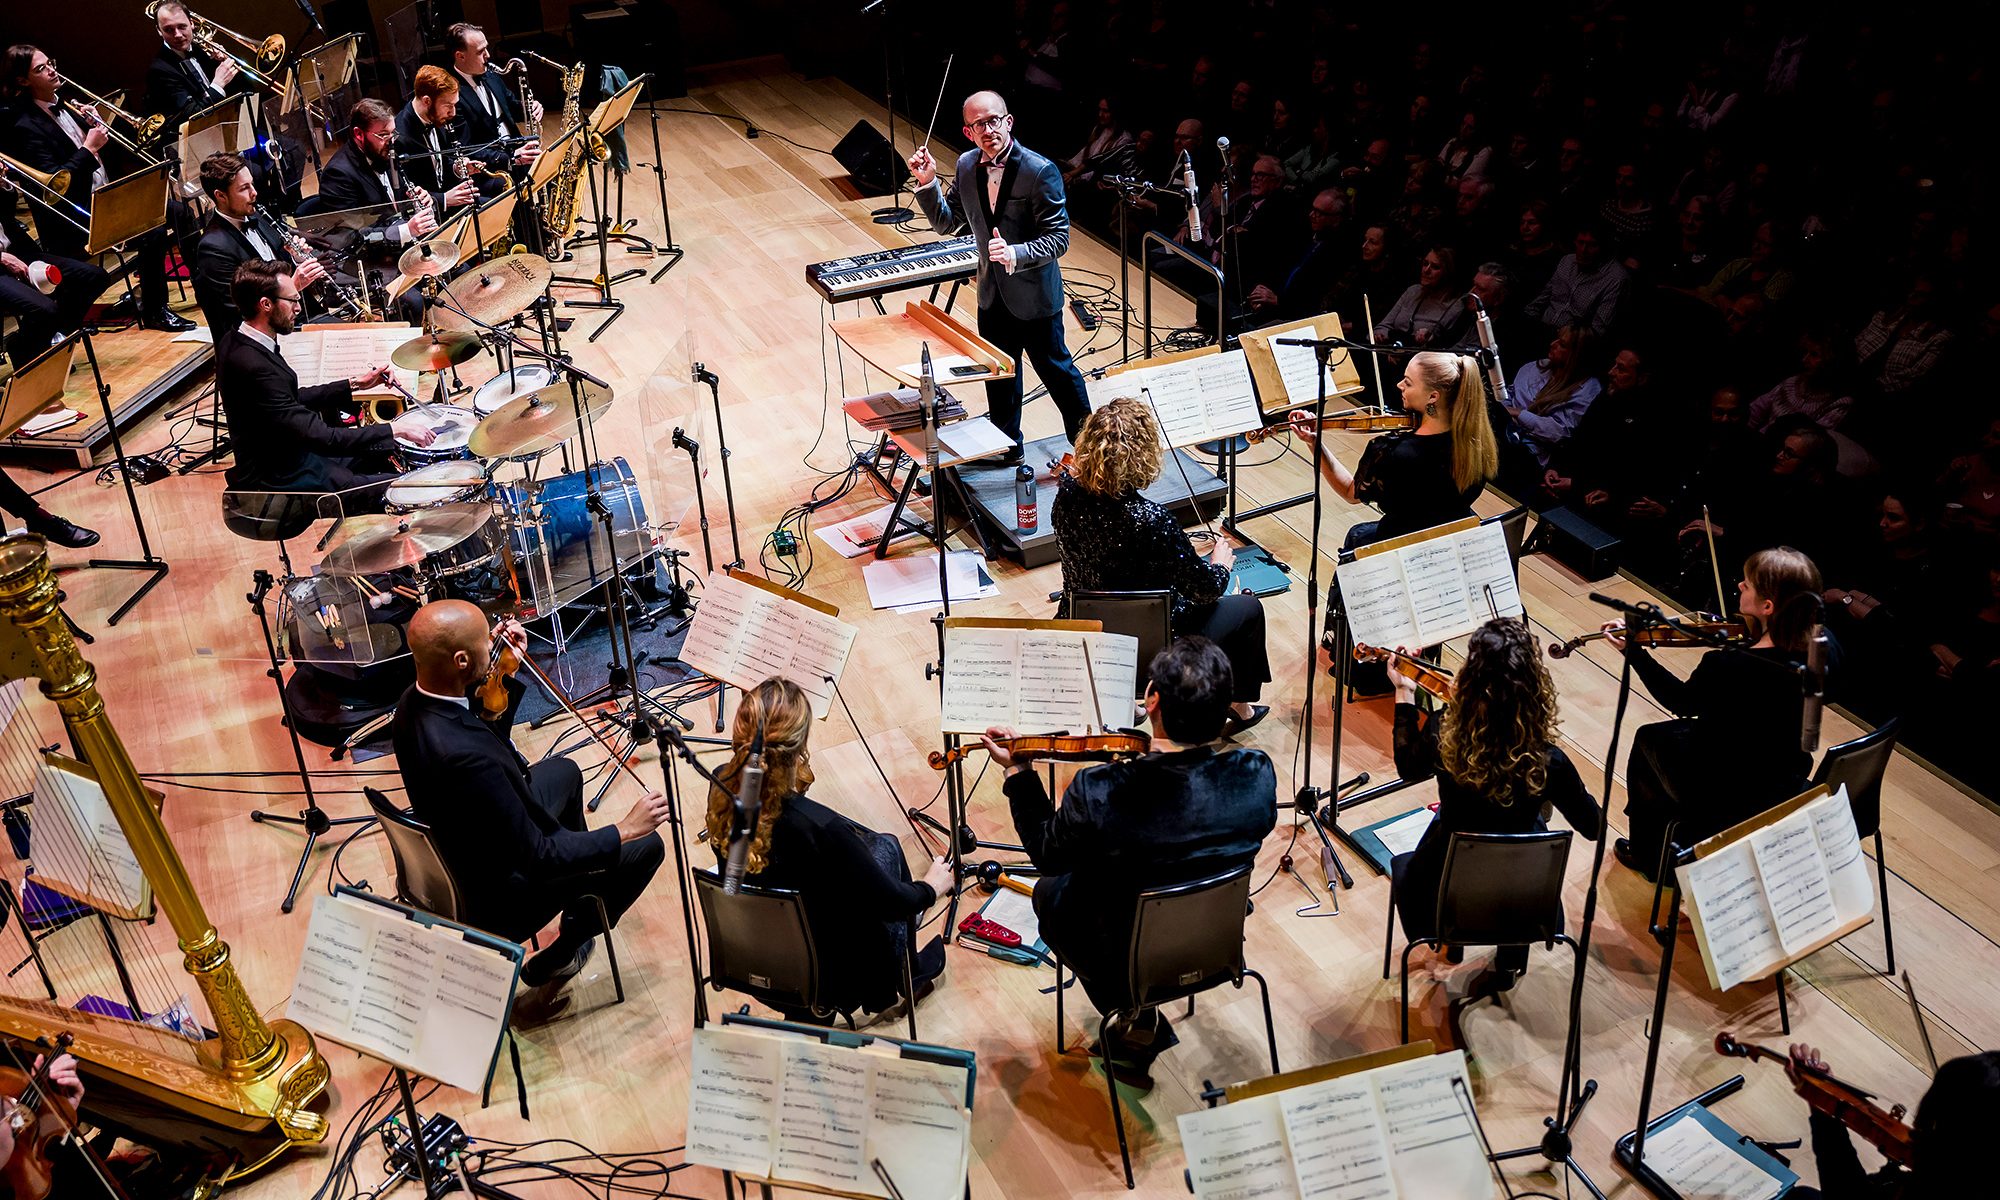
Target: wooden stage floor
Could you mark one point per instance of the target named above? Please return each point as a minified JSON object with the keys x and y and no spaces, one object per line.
{"x":183,"y":678}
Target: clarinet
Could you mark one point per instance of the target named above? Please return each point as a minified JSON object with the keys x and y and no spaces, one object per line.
{"x":302,"y":253}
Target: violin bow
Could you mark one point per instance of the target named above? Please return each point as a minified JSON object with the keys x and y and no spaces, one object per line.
{"x":1090,"y":678}
{"x":596,"y":735}
{"x":1715,"y":565}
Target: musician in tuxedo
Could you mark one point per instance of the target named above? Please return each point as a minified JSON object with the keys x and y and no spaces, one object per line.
{"x":361,"y":175}
{"x":1186,"y":810}
{"x":488,"y":109}
{"x":427,"y":141}
{"x":39,"y":131}
{"x":179,"y":81}
{"x":513,"y":835}
{"x":1011,"y":200}
{"x":283,"y":439}
{"x":39,"y":319}
{"x":237,"y":231}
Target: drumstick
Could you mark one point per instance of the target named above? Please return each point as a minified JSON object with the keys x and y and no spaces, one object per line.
{"x":925,"y":145}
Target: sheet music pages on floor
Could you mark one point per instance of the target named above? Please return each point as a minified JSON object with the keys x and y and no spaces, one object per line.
{"x":800,"y":1111}
{"x":1032,"y":678}
{"x":328,"y":355}
{"x":1779,"y":891}
{"x":1404,"y":1130}
{"x":419,"y":996}
{"x":1428,"y":587}
{"x":1700,"y":1166}
{"x":1196,"y":398}
{"x":746,"y":631}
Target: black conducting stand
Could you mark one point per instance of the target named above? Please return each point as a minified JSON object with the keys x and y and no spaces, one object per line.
{"x":155,"y":566}
{"x":894,"y":213}
{"x":312,"y":819}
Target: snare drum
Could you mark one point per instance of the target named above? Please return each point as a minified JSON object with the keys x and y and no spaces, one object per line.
{"x":440,"y":483}
{"x":475,"y":569}
{"x":453,"y":427}
{"x":510,"y":385}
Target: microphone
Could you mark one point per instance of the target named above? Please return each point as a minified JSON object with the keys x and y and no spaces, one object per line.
{"x":683,"y":442}
{"x":1815,"y":685}
{"x":1194,"y":196}
{"x":927,"y":389}
{"x":1494,"y":375}
{"x":1222,"y":147}
{"x":749,"y":807}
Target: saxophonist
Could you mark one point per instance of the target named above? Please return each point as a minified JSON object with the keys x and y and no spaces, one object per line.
{"x":488,"y":109}
{"x":427,"y":142}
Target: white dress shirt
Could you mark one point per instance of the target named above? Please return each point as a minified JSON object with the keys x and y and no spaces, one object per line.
{"x":98,"y":177}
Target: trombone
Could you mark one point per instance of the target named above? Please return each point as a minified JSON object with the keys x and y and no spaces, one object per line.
{"x":268,"y":54}
{"x":144,"y":129}
{"x":52,"y":188}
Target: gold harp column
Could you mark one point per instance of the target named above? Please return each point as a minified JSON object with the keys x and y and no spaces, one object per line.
{"x":276,"y":1064}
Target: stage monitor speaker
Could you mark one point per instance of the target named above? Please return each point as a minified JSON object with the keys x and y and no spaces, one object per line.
{"x":1574,"y":542}
{"x":874,"y":164}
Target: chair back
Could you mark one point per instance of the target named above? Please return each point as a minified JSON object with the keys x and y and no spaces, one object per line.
{"x":1188,"y":937}
{"x":1147,"y":616}
{"x":422,"y":878}
{"x":1502,"y":889}
{"x":1860,"y":764}
{"x":759,"y":943}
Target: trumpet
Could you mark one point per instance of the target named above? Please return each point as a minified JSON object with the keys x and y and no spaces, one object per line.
{"x":144,"y":129}
{"x":268,"y":54}
{"x":52,"y":190}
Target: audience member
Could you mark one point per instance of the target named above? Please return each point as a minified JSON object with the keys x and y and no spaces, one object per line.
{"x":1433,"y":299}
{"x":1821,"y":391}
{"x":1584,"y":290}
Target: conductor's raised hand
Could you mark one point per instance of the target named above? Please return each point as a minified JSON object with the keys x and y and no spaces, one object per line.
{"x":923,"y":168}
{"x":643,"y":818}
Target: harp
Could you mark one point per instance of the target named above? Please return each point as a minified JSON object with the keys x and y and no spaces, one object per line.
{"x":237,"y":1099}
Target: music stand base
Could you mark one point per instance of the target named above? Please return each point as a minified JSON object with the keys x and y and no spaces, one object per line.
{"x":895,"y":214}
{"x":158,"y":568}
{"x":673,"y":254}
{"x":315,"y":822}
{"x":1557,"y":1146}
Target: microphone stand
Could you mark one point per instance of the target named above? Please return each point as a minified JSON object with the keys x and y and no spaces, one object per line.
{"x":1129,"y":190}
{"x":667,"y":738}
{"x":703,"y":375}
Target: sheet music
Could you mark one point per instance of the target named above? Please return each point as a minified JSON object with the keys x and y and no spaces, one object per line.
{"x":1482,"y":553}
{"x":1238,"y":1151}
{"x":1840,"y":848}
{"x":396,"y":981}
{"x":73,"y":814}
{"x":1740,"y":937}
{"x":1377,"y":602}
{"x":1699,"y":1167}
{"x":1298,"y":368}
{"x":336,"y":948}
{"x":823,"y":1118}
{"x":1194,"y":400}
{"x":919,"y":1127}
{"x":1337,"y":1146}
{"x":744,"y":635}
{"x":1438,"y":595}
{"x":1017,"y":912}
{"x":1034,"y":679}
{"x":469,"y":998}
{"x":733,"y":1100}
{"x":1795,"y":881}
{"x":1434,"y":1148}
{"x":328,"y":355}
{"x":1401,"y":835}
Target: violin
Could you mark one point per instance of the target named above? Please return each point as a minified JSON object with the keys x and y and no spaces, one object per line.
{"x":1426,"y":675}
{"x":1360,"y":420}
{"x":1843,"y":1102}
{"x":1068,"y":747}
{"x":500,"y":665}
{"x":1665,"y":637}
{"x":39,"y":1118}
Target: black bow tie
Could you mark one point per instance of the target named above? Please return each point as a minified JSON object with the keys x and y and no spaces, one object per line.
{"x":997,"y":164}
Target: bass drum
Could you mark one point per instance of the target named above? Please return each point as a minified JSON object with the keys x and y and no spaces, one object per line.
{"x":560,"y":549}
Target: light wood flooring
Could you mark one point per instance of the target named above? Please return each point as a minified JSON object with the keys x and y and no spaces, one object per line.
{"x":183,"y":677}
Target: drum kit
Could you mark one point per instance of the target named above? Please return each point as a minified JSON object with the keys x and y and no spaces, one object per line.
{"x":528,"y":546}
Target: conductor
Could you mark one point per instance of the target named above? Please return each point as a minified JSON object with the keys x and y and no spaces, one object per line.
{"x":1011,"y":200}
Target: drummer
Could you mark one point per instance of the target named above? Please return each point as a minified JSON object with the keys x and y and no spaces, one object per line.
{"x":286,"y":438}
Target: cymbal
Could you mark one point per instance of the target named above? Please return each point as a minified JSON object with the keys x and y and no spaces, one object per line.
{"x":375,"y":543}
{"x":434,"y":257}
{"x":494,"y":292}
{"x":541,"y":420}
{"x":435,"y":351}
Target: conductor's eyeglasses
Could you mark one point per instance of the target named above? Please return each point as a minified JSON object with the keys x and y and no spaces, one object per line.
{"x":985,"y":123}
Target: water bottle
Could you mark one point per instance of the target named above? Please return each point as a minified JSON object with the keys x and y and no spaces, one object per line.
{"x":1026,"y":513}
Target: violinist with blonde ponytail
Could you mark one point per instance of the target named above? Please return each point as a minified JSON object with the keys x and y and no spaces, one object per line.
{"x":855,"y":887}
{"x":1420,"y":478}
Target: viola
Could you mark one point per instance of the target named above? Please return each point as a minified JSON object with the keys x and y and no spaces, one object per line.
{"x":39,"y":1119}
{"x":1361,"y":420}
{"x":1665,"y":637}
{"x":1068,"y":747}
{"x":1426,"y":675}
{"x":1844,"y":1102}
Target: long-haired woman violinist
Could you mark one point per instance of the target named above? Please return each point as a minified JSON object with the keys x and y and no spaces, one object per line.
{"x":853,"y":882}
{"x":1734,"y":749}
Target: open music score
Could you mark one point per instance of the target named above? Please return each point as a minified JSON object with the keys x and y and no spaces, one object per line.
{"x":1288,"y":376}
{"x":330,"y":353}
{"x":747,"y":630}
{"x":1198,"y":396}
{"x":82,"y":851}
{"x":820,"y":1115}
{"x":1030,"y":675}
{"x":1777,"y":888}
{"x":420,"y":996}
{"x":1402,"y":1130}
{"x":1430,"y":586}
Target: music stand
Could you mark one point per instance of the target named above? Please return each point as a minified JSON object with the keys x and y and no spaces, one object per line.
{"x":323,"y":72}
{"x":606,"y":117}
{"x":213,"y":129}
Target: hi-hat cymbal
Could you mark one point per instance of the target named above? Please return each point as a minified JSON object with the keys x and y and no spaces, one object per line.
{"x":434,"y":257}
{"x":435,"y":351}
{"x":541,"y":420}
{"x":375,"y":543}
{"x":493,"y":292}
